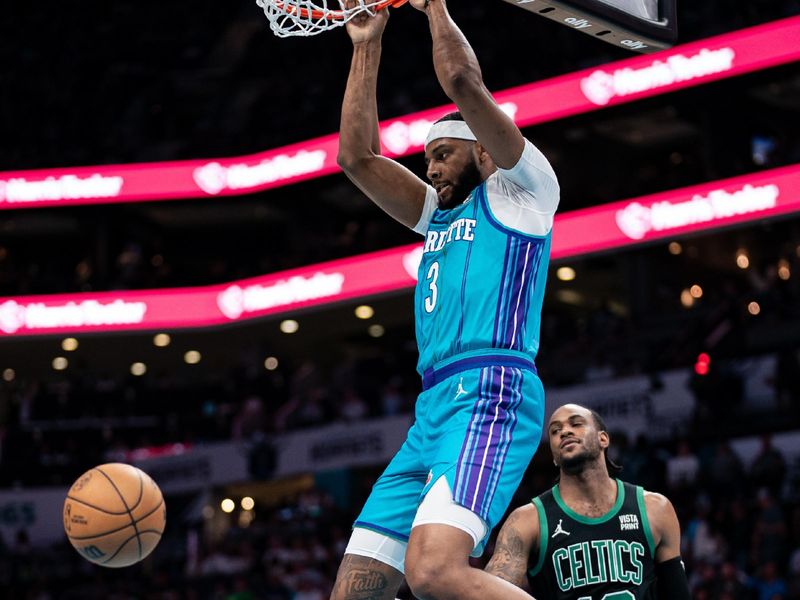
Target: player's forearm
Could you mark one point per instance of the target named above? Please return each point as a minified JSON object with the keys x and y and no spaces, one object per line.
{"x":507,"y":571}
{"x":358,"y":134}
{"x":456,"y":65}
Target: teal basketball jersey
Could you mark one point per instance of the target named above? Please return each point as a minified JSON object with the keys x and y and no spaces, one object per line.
{"x":480,"y":284}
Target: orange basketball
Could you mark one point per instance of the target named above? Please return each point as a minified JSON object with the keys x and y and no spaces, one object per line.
{"x":114,"y":515}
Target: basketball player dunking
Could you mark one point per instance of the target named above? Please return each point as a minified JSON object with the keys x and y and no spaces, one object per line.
{"x":591,"y":537}
{"x":486,"y":216}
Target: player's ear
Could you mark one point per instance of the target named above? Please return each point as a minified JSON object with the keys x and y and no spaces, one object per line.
{"x":480,"y":153}
{"x":605,"y":439}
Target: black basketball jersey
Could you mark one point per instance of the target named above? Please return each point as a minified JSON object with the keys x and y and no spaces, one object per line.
{"x":604,"y":558}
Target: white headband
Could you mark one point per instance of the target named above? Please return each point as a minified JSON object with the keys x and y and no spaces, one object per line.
{"x":450,"y":129}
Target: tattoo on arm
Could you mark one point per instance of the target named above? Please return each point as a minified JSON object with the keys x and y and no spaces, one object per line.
{"x":509,"y":561}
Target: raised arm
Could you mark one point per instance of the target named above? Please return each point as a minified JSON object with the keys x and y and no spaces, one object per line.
{"x":518,"y":535}
{"x":460,"y":76}
{"x":387,"y":183}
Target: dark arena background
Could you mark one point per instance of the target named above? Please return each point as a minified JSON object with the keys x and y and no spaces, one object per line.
{"x":163,"y":165}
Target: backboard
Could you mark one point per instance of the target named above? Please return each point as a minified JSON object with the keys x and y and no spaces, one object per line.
{"x":639,"y":25}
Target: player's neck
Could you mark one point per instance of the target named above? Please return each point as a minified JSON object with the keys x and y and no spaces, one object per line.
{"x":592,"y":492}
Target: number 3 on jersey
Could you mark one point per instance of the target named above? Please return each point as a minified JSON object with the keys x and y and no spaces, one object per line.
{"x":431,"y":277}
{"x":626,"y":595}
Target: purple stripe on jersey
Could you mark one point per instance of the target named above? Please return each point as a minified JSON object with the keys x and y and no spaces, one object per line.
{"x":499,"y":318}
{"x":521,"y":276}
{"x":467,"y":448}
{"x":499,"y":450}
{"x":468,"y":458}
{"x":490,"y":432}
{"x":528,"y":293}
{"x":516,"y":400}
{"x":502,"y":442}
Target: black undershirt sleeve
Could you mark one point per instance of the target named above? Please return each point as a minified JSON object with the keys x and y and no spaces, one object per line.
{"x":671,"y":580}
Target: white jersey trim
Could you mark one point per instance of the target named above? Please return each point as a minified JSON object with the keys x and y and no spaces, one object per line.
{"x":430,"y":206}
{"x":523,"y":198}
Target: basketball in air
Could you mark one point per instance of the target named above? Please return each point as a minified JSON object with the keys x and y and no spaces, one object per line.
{"x":114,"y":515}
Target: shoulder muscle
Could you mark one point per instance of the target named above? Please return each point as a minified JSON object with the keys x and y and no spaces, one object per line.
{"x":664,"y":524}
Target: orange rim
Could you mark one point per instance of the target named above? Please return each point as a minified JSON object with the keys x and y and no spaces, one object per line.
{"x":333,"y":15}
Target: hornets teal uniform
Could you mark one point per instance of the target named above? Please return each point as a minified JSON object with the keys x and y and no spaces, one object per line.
{"x":478,"y":301}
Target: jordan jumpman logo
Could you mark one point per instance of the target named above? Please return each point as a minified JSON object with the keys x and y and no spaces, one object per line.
{"x":559,"y":530}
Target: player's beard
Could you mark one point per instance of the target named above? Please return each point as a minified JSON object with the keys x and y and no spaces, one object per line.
{"x":580,"y":461}
{"x":468,"y":180}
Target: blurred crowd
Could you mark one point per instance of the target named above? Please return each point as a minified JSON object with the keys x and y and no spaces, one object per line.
{"x":740,"y":535}
{"x":49,"y":431}
{"x":64,"y":423}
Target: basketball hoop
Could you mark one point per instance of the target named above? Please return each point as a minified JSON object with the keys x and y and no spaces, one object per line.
{"x":305,"y":17}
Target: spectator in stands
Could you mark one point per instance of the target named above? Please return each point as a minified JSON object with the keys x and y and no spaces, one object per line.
{"x":725,"y":471}
{"x":739,"y":537}
{"x":703,"y":540}
{"x":769,"y":533}
{"x":353,"y":407}
{"x":769,"y":467}
{"x":769,"y":585}
{"x":683,"y":468}
{"x":731,"y":583}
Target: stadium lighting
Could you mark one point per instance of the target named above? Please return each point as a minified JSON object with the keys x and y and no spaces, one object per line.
{"x":69,"y":344}
{"x":248,"y":503}
{"x":9,"y":374}
{"x":138,"y":369}
{"x":742,"y":260}
{"x":60,"y":363}
{"x":161,"y":340}
{"x":364,"y":312}
{"x":703,"y":364}
{"x":583,"y":91}
{"x":696,"y":291}
{"x":227,"y":505}
{"x":271,"y":363}
{"x":289,"y":326}
{"x":687,"y":300}
{"x":192,"y":357}
{"x":754,"y":308}
{"x":376,"y":331}
{"x":565,"y":273}
{"x":675,"y":248}
{"x":784,"y":272}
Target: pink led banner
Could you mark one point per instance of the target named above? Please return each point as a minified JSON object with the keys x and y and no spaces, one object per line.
{"x":670,"y":214}
{"x":353,"y":277}
{"x":697,"y":63}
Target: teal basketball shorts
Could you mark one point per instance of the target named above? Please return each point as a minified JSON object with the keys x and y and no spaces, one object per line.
{"x":478,"y":423}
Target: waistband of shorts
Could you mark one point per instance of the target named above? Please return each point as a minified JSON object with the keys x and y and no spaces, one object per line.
{"x":475,"y":359}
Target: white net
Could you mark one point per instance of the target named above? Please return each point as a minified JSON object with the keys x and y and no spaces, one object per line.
{"x":305,"y":17}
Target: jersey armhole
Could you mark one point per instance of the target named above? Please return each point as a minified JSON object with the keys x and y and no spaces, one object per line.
{"x":648,"y":533}
{"x":428,"y":209}
{"x":543,"y":537}
{"x":483,"y":198}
